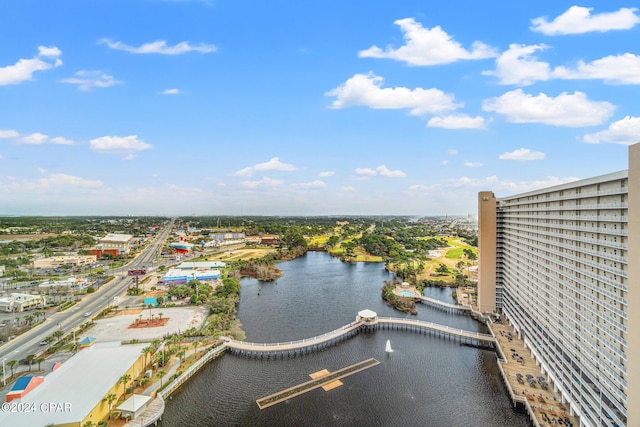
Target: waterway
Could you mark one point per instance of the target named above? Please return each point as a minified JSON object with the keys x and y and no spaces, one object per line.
{"x":425,"y":381}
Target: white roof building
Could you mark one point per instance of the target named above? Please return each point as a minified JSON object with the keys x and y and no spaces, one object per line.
{"x":79,"y":386}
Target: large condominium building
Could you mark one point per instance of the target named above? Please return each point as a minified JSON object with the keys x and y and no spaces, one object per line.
{"x":563,"y":265}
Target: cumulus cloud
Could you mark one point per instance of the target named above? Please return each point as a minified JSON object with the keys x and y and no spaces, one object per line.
{"x":47,"y":58}
{"x":366,"y":90}
{"x":8,"y":133}
{"x":571,"y":110}
{"x":366,"y":172}
{"x":326,"y":174}
{"x":313,"y":184}
{"x":473,"y":164}
{"x":615,"y":69}
{"x":579,"y":20}
{"x":522,"y":155}
{"x":518,"y":66}
{"x":384,"y":171}
{"x":272,"y":165}
{"x":124,"y":145}
{"x":64,"y":180}
{"x":88,"y":80}
{"x":264,"y":182}
{"x":428,"y":46}
{"x":171,"y":91}
{"x":381,"y":170}
{"x":625,"y":131}
{"x":62,"y":141}
{"x":34,"y":139}
{"x":457,"y":121}
{"x":508,"y":186}
{"x":160,"y":47}
{"x":421,"y":188}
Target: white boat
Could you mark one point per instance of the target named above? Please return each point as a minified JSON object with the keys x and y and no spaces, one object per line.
{"x":388,"y":348}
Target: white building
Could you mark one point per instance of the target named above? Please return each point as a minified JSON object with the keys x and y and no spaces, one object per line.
{"x":561,"y":264}
{"x":21,"y":302}
{"x":116,"y":242}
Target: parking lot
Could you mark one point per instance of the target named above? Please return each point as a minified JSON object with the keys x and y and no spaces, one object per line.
{"x":116,"y":328}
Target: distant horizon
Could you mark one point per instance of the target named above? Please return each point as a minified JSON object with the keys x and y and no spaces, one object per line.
{"x":303,"y":109}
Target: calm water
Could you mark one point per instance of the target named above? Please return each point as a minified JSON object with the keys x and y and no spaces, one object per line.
{"x":426,"y":381}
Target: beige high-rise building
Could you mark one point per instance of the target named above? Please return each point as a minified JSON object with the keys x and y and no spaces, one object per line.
{"x":563,"y":265}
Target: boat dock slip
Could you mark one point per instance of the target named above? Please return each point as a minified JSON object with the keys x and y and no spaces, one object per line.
{"x":320,"y":379}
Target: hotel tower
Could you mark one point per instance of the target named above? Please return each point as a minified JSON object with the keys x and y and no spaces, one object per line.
{"x":563,"y":266}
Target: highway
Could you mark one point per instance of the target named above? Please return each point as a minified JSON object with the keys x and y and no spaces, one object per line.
{"x":68,"y":320}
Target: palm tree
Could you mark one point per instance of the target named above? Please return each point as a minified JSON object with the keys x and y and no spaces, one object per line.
{"x":88,"y":424}
{"x":39,"y":361}
{"x":146,"y":351}
{"x":11,"y":364}
{"x":195,"y":348}
{"x":110,"y":398}
{"x":124,"y":380}
{"x":30,"y":358}
{"x":161,"y":373}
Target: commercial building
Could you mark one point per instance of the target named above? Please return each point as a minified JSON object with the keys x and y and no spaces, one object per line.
{"x":21,"y":302}
{"x":74,"y":393}
{"x":59,"y":261}
{"x":562,"y":265}
{"x":114,"y":244}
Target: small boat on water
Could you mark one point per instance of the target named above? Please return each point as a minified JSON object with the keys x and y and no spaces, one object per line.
{"x":388,"y":348}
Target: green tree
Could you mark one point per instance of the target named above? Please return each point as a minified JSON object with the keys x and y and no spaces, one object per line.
{"x":11,"y":364}
{"x":30,"y":358}
{"x":442,"y":269}
{"x":124,"y":380}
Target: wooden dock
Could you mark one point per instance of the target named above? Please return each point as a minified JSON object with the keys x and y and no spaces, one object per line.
{"x":320,"y":381}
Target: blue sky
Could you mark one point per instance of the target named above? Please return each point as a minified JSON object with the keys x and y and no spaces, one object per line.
{"x":286,"y":107}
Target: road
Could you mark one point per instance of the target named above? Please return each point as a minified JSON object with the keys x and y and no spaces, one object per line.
{"x":69,"y":320}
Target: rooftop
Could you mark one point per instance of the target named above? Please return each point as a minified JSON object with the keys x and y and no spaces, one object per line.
{"x":80,"y":384}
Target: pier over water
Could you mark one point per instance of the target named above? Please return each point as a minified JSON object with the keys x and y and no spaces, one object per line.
{"x":366,"y":321}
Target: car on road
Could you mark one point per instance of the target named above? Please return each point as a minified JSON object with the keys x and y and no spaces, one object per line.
{"x":87,"y":314}
{"x":43,"y":343}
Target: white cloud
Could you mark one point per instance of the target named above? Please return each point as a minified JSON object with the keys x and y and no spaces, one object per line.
{"x":518,"y":66}
{"x":171,"y":91}
{"x":445,"y":162}
{"x":578,"y":20}
{"x":366,"y":90}
{"x":326,"y":174}
{"x":381,"y":170}
{"x":473,"y":164}
{"x":125,"y":145}
{"x":272,"y":165}
{"x":421,"y":188}
{"x":428,"y":46}
{"x":452,"y":151}
{"x":34,"y":139}
{"x":514,"y":187}
{"x":64,"y":180}
{"x":366,"y":172}
{"x":264,"y":182}
{"x":347,"y":189}
{"x":464,"y":181}
{"x":522,"y":155}
{"x":88,"y":80}
{"x":313,"y":184}
{"x":62,"y":141}
{"x":8,"y":133}
{"x":625,"y":131}
{"x":571,"y":110}
{"x":457,"y":121}
{"x":161,"y":47}
{"x":1,"y":157}
{"x":616,"y":69}
{"x":384,"y":171}
{"x":47,"y":58}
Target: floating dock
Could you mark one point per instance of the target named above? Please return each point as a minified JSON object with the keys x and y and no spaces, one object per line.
{"x":327,"y":380}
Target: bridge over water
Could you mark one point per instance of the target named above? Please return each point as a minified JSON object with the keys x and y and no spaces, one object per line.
{"x":444,"y":305}
{"x":366,"y":321}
